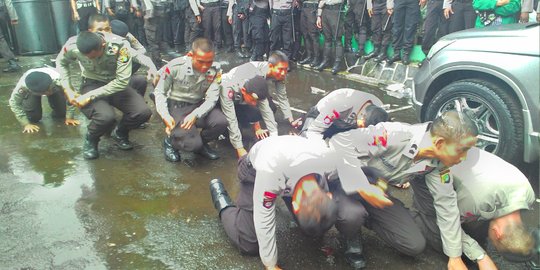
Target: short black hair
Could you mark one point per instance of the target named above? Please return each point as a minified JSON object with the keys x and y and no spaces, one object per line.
{"x":88,"y":42}
{"x":374,"y":114}
{"x":453,"y":125}
{"x":119,"y":28}
{"x":258,"y":86}
{"x":277,"y":57}
{"x":202,"y":44}
{"x":97,"y":18}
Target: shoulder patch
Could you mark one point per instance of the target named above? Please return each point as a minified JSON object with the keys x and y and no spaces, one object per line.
{"x":113,"y":49}
{"x":268,"y":200}
{"x":123,"y":57}
{"x":380,"y":140}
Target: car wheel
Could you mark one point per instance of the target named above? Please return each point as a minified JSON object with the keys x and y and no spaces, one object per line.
{"x":496,"y":113}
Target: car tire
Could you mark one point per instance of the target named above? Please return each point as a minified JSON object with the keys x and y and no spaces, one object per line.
{"x":502,"y":118}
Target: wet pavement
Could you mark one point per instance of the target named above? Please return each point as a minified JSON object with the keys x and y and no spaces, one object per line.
{"x":134,"y":210}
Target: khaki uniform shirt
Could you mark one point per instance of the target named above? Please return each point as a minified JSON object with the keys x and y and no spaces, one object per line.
{"x":180,"y":82}
{"x":231,"y":83}
{"x":281,"y":161}
{"x":345,"y":104}
{"x":113,"y":67}
{"x":391,"y":148}
{"x":488,"y":187}
{"x":21,"y":92}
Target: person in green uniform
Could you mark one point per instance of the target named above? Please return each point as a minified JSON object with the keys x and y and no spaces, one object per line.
{"x":496,"y":12}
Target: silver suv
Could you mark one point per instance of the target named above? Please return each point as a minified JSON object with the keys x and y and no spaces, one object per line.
{"x":492,"y":74}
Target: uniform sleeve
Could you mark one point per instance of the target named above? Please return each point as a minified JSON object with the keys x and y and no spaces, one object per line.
{"x":194,"y":7}
{"x":369,"y":4}
{"x":210,"y":100}
{"x":11,"y":10}
{"x":527,"y":6}
{"x":447,"y":4}
{"x":63,"y":65}
{"x":268,"y":117}
{"x":264,"y":217}
{"x":106,"y":3}
{"x":227,"y":107}
{"x":320,"y":7}
{"x":144,"y":60}
{"x":282,"y":101}
{"x":135,"y":44}
{"x":509,"y":9}
{"x":471,"y":248}
{"x":134,"y":4}
{"x":448,"y":219}
{"x":123,"y":74}
{"x":15,"y":103}
{"x":230,"y":8}
{"x":390,"y":4}
{"x":162,"y":88}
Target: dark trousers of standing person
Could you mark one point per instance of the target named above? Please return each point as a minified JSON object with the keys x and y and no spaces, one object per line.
{"x":178,"y":21}
{"x":308,"y":28}
{"x":154,"y":35}
{"x":168,"y":34}
{"x":34,"y":112}
{"x":241,"y":27}
{"x":381,"y":27}
{"x":191,"y":140}
{"x":5,"y":50}
{"x":296,"y":44}
{"x":85,"y":11}
{"x":259,"y":32}
{"x":101,"y":113}
{"x":332,"y":31}
{"x":226,"y":29}
{"x":238,"y":220}
{"x":281,"y":32}
{"x":464,"y":16}
{"x":138,"y":30}
{"x":435,"y":24}
{"x":193,"y":30}
{"x":405,"y":21}
{"x":358,"y":20}
{"x":211,"y":22}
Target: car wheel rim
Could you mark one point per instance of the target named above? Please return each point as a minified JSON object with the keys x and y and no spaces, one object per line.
{"x":483,"y":114}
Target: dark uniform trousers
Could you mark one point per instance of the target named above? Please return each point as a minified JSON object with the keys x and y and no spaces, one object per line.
{"x":138,"y":83}
{"x":332,"y":27}
{"x":435,"y":24}
{"x":226,"y":28}
{"x":211,"y":22}
{"x":84,"y":15}
{"x":259,"y":31}
{"x":190,"y":140}
{"x":405,"y":19}
{"x":308,"y":27}
{"x":101,"y":110}
{"x":381,"y":25}
{"x":193,"y":30}
{"x":356,"y":22}
{"x":154,"y":35}
{"x":238,"y":220}
{"x":281,"y":31}
{"x":5,"y":50}
{"x":426,"y":218}
{"x":34,"y":112}
{"x":178,"y":21}
{"x":464,"y":16}
{"x":241,"y":27}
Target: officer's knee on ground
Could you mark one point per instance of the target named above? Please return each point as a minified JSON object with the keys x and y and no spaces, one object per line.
{"x":414,"y":246}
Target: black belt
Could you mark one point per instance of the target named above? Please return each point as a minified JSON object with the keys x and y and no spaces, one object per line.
{"x":178,"y":104}
{"x":212,"y":4}
{"x":310,"y":5}
{"x":334,"y":6}
{"x":281,"y":11}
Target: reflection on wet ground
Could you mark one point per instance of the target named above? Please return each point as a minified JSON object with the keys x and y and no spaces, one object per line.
{"x":134,"y":210}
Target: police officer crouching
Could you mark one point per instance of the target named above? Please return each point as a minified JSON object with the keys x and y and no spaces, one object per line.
{"x":186,"y":97}
{"x":105,"y":61}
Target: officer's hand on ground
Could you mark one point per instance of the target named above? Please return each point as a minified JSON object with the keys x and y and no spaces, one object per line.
{"x":486,"y":263}
{"x":229,"y":19}
{"x":240,"y":152}
{"x":169,"y":124}
{"x":30,"y":128}
{"x":448,"y":12}
{"x":390,"y":11}
{"x":71,"y":122}
{"x":14,"y":22}
{"x":524,"y":17}
{"x":375,"y":196}
{"x":188,"y":122}
{"x":456,"y":263}
{"x":319,"y":22}
{"x":198,"y":18}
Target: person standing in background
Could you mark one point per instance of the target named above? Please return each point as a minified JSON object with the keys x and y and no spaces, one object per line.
{"x":8,"y":14}
{"x":81,"y":10}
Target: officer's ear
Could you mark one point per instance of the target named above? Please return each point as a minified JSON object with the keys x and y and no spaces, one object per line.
{"x":439,"y":142}
{"x":190,"y":54}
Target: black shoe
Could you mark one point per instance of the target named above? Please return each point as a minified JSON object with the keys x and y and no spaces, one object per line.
{"x":381,"y":57}
{"x":406,"y":60}
{"x":353,"y":253}
{"x":170,"y":153}
{"x":121,"y":140}
{"x":90,"y":148}
{"x":12,"y":66}
{"x":220,"y":197}
{"x":336,"y":68}
{"x":394,"y":58}
{"x":306,"y":60}
{"x":372,"y":54}
{"x":359,"y":53}
{"x":208,"y":153}
{"x":348,"y":48}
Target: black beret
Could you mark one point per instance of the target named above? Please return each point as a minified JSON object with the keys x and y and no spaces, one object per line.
{"x":38,"y":82}
{"x":258,"y":86}
{"x":119,"y":28}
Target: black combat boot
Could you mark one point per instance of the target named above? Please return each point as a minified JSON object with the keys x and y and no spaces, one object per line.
{"x":382,"y":55}
{"x":220,"y":197}
{"x":360,"y":52}
{"x":12,"y":66}
{"x":326,"y":57}
{"x":308,"y":59}
{"x":207,"y":152}
{"x":396,"y":57}
{"x":353,"y":252}
{"x":121,"y":139}
{"x":339,"y":58}
{"x":316,"y":58}
{"x":406,"y":59}
{"x":238,"y":52}
{"x":90,"y":148}
{"x":170,"y":153}
{"x":372,"y":54}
